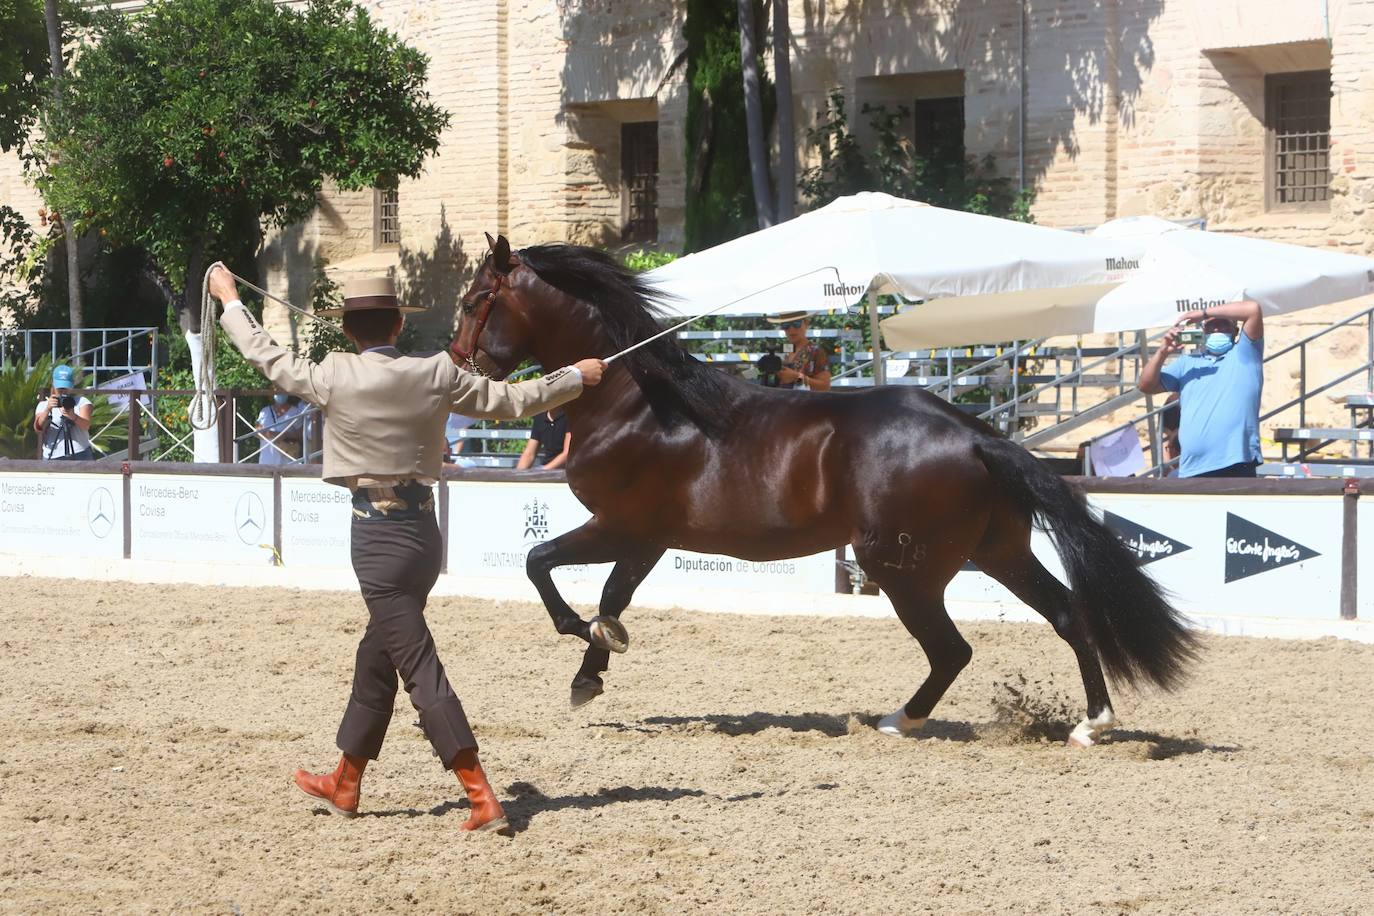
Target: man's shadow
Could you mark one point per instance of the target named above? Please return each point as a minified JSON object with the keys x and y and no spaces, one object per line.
{"x":523,"y":801}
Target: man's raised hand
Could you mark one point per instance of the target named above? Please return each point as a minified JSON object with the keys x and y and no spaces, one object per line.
{"x":222,"y":285}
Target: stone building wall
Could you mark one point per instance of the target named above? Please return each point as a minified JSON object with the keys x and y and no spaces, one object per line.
{"x":1130,"y":107}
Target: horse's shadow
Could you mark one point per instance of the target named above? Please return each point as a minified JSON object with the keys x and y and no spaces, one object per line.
{"x":523,"y":801}
{"x":828,"y":724}
{"x":1160,"y":747}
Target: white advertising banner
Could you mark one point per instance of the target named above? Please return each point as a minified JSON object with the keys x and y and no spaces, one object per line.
{"x":316,"y":519}
{"x":1256,"y":556}
{"x":681,"y":569}
{"x":204,"y":519}
{"x":62,"y":515}
{"x":492,"y":527}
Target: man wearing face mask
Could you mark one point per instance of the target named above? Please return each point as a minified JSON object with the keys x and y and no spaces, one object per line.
{"x":279,"y":428}
{"x":1219,"y":389}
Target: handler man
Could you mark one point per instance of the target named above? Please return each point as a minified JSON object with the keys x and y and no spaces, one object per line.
{"x":384,"y":440}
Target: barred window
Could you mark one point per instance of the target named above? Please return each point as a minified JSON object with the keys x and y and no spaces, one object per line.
{"x":639,"y":178}
{"x":1298,"y":118}
{"x":938,"y":130}
{"x":386,"y":219}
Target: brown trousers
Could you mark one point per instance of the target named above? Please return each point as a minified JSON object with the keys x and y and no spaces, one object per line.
{"x":397,"y":562}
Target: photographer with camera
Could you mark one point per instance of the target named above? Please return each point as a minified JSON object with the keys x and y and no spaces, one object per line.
{"x":1219,"y":389}
{"x":64,"y":421}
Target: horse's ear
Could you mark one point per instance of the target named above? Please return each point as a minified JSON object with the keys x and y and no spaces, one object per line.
{"x":491,"y":242}
{"x":500,"y":255}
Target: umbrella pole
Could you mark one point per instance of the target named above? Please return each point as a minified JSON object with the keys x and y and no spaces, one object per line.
{"x":879,"y":366}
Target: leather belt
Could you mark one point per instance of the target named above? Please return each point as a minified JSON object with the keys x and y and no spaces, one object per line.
{"x":408,"y":500}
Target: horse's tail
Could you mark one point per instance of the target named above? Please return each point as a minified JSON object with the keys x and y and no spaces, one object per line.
{"x":1138,"y":635}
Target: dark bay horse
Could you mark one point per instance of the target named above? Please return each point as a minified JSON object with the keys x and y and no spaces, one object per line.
{"x":670,"y":453}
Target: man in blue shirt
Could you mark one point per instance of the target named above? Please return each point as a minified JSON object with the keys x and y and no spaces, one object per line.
{"x":1219,"y":389}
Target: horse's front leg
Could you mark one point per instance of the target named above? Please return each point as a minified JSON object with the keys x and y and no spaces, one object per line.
{"x":620,"y":588}
{"x":591,"y":543}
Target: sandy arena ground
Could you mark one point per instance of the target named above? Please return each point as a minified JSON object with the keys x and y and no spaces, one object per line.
{"x":150,"y":734}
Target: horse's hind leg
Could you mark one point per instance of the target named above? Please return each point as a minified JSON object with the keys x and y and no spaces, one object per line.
{"x":615,"y":597}
{"x":1006,"y":556}
{"x":915,"y":584}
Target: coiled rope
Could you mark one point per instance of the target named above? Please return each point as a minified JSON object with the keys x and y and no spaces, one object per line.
{"x":204,"y":409}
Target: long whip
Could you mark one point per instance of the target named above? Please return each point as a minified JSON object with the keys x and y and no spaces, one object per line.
{"x":695,"y":318}
{"x":204,"y":411}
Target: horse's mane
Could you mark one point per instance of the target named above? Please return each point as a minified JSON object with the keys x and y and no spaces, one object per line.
{"x":677,"y":385}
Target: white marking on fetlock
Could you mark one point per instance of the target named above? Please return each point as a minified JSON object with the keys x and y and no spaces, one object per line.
{"x":1090,"y":731}
{"x":899,"y":725}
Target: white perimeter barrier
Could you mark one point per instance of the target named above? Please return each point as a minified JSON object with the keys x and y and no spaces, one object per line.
{"x":1230,"y":550}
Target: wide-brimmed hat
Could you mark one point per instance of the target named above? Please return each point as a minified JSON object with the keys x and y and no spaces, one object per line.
{"x":370,"y":293}
{"x":62,"y":376}
{"x":785,"y":317}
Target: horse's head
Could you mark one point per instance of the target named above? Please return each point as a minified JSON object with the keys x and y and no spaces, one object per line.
{"x":494,"y":326}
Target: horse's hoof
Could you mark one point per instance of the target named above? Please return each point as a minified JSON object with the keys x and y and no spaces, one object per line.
{"x":608,"y":633}
{"x":1089,"y":732}
{"x":899,"y":725}
{"x":583,"y":693}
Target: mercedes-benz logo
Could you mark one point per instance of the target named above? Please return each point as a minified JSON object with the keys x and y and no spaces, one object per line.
{"x":250,"y":518}
{"x":100,"y":512}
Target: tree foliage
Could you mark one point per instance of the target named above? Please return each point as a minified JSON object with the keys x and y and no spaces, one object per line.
{"x":892,"y":165}
{"x":23,"y":68}
{"x":186,"y":128}
{"x":720,"y":195}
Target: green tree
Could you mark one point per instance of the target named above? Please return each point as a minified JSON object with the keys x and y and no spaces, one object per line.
{"x":720,"y":194}
{"x":188,"y":128}
{"x":23,"y":68}
{"x":23,"y":78}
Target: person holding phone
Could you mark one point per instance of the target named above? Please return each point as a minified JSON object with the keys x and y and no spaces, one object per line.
{"x":1219,"y":389}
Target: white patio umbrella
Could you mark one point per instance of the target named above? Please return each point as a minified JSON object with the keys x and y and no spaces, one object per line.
{"x":1172,"y":269}
{"x":872,"y":243}
{"x":1183,"y":269}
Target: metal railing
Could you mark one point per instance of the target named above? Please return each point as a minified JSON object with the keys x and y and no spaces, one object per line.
{"x":106,"y":353}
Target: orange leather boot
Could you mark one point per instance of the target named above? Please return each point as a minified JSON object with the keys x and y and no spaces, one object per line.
{"x":487,"y":815}
{"x":338,"y":790}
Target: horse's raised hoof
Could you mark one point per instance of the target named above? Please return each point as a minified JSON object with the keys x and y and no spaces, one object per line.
{"x":584,"y":690}
{"x":899,"y":725}
{"x":608,"y":633}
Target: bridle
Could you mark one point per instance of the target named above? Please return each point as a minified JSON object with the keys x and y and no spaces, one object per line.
{"x":487,"y":298}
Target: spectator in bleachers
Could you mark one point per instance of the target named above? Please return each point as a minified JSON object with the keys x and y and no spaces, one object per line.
{"x":808,"y":365}
{"x":279,"y":428}
{"x":549,"y":442}
{"x":1219,"y":389}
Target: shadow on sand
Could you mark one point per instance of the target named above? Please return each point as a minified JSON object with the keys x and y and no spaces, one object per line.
{"x":1160,"y":747}
{"x":524,"y":801}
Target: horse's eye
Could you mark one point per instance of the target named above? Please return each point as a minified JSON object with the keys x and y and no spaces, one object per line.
{"x":467,"y":306}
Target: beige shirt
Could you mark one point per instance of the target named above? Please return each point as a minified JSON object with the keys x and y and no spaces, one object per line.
{"x":384,"y":411}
